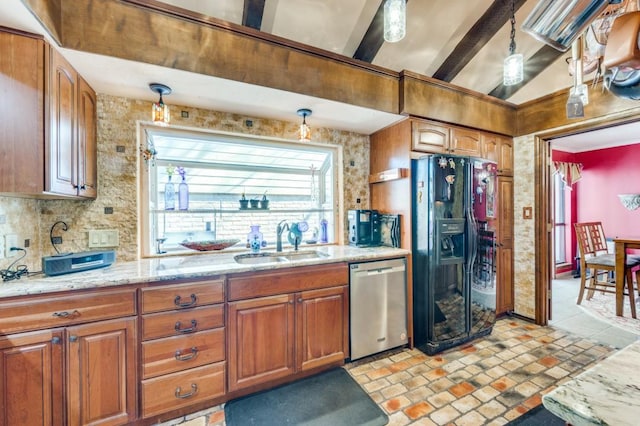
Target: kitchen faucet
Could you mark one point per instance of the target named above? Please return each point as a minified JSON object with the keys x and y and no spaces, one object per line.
{"x":279,"y":230}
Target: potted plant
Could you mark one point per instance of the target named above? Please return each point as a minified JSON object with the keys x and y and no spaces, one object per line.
{"x":264,"y":203}
{"x":244,"y":203}
{"x":254,"y":203}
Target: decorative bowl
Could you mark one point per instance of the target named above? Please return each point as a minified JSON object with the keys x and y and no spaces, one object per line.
{"x":209,"y":245}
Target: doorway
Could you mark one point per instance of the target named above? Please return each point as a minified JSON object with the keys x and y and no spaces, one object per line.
{"x":548,"y":228}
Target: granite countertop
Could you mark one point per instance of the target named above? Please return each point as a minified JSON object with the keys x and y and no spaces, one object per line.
{"x":180,"y":267}
{"x":605,"y":394}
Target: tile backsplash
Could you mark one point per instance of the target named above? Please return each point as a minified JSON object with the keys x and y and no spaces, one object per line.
{"x":118,"y":155}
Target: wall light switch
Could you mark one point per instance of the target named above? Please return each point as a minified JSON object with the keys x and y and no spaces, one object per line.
{"x":104,"y":238}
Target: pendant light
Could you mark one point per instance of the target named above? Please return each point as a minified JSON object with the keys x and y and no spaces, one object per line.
{"x":304,"y":133}
{"x":160,"y":110}
{"x":395,"y":20}
{"x":514,"y":63}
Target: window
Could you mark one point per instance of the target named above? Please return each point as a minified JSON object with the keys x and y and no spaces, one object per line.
{"x":560,"y":226}
{"x":299,"y":180}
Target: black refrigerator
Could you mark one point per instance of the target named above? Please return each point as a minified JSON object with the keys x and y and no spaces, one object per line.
{"x":454,"y":273}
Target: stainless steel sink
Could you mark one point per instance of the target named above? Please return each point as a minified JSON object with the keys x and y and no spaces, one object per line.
{"x":303,"y":255}
{"x":271,"y":257}
{"x":256,"y":258}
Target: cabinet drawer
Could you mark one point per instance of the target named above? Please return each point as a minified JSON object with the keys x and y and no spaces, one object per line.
{"x":178,"y":353}
{"x":177,"y":390}
{"x":182,"y":296}
{"x":182,"y":322}
{"x":31,"y":313}
{"x":250,"y":285}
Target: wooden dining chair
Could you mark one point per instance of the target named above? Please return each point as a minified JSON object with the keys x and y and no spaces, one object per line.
{"x":597,"y":264}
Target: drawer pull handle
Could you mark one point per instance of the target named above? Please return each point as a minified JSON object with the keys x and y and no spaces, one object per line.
{"x":193,"y":301}
{"x":188,"y":394}
{"x":66,"y":314}
{"x":194,"y":326}
{"x":186,"y":357}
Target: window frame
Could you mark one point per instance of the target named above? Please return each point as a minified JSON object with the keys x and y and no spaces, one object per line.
{"x":146,"y":180}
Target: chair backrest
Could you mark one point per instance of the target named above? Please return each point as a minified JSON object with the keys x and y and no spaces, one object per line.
{"x":591,"y":239}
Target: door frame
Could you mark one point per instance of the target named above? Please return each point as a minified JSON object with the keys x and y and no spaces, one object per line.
{"x":543,"y":203}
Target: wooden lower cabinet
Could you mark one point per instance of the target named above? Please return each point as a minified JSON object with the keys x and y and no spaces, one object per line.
{"x":101,"y":373}
{"x":504,"y":278}
{"x":504,"y":291}
{"x":98,"y":382}
{"x":31,"y":366}
{"x":277,"y":336}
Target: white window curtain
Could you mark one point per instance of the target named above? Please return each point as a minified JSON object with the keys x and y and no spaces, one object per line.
{"x":570,"y":172}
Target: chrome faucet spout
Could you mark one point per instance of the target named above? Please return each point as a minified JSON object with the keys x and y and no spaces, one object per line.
{"x":279,"y":230}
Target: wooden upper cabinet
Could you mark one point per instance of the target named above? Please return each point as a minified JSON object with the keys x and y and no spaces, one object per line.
{"x":499,"y":149}
{"x":427,"y":136}
{"x":55,"y":154}
{"x":87,"y":141}
{"x":22,"y":65}
{"x":465,"y":142}
{"x":505,"y":157}
{"x":62,"y":141}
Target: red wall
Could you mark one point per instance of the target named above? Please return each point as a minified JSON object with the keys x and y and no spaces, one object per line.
{"x":605,"y":174}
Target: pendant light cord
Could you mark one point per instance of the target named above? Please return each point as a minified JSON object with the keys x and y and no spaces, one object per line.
{"x":512,"y":44}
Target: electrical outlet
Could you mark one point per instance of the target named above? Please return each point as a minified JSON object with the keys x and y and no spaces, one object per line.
{"x":10,"y":240}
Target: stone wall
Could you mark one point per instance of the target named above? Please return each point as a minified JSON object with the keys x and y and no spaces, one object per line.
{"x":524,"y":229}
{"x":118,"y":177}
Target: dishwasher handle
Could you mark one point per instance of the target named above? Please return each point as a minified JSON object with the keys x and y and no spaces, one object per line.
{"x":385,"y":270}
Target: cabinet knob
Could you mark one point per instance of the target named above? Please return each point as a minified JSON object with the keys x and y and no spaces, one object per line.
{"x":56,"y":340}
{"x":299,"y":299}
{"x":73,"y":338}
{"x":194,"y":327}
{"x":180,"y":395}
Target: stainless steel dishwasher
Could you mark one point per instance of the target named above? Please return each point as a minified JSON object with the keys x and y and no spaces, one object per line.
{"x":378,"y":299}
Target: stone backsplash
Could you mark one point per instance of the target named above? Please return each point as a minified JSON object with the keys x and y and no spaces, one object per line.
{"x":118,"y":161}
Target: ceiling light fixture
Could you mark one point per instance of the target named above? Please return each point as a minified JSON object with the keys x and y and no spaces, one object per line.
{"x":304,"y":133}
{"x":514,"y":63}
{"x":395,"y":20}
{"x":160,"y":110}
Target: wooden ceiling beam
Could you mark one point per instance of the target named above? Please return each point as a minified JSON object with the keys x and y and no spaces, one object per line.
{"x":476,"y":38}
{"x":252,"y":13}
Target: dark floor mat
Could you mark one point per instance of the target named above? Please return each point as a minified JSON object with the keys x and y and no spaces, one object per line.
{"x":538,"y":416}
{"x":331,"y":398}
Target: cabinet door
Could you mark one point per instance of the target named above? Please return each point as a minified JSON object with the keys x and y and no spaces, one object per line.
{"x":102,"y":366}
{"x":490,"y":148}
{"x":62,"y":143}
{"x":87,"y":141}
{"x":465,"y":142}
{"x":261,"y":340}
{"x":22,"y":67}
{"x":505,"y":157}
{"x":31,"y":381}
{"x":429,"y":137}
{"x":321,"y":327}
{"x":504,"y":288}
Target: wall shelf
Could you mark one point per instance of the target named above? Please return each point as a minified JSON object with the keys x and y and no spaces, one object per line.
{"x":387,"y":175}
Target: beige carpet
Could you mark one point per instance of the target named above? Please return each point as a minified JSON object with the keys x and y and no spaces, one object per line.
{"x":603,"y":307}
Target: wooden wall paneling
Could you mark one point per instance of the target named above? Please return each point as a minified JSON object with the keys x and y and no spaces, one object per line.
{"x":549,"y":112}
{"x":430,"y":98}
{"x":219,"y":49}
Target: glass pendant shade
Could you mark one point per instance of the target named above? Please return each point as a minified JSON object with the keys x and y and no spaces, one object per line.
{"x":395,"y":20}
{"x":160,"y":113}
{"x":304,"y":132}
{"x":160,"y":110}
{"x":513,"y":69}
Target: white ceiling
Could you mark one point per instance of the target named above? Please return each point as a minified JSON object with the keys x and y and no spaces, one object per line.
{"x":624,"y":134}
